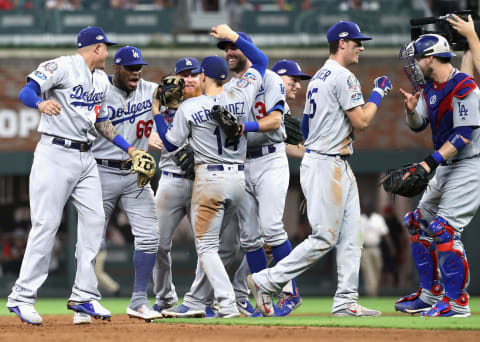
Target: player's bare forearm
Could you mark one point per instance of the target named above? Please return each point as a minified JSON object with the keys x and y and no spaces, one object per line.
{"x":295,"y":151}
{"x":447,"y":150}
{"x":360,"y":117}
{"x":467,"y":63}
{"x":270,"y":122}
{"x":106,"y":129}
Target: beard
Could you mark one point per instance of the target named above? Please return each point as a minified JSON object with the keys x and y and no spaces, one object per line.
{"x":196,"y":92}
{"x":240,"y":65}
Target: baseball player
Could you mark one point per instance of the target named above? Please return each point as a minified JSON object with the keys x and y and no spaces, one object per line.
{"x":333,"y":110}
{"x":267,"y":176}
{"x":129,"y":106}
{"x":291,"y":75}
{"x":70,"y":92}
{"x":219,"y":179}
{"x":449,"y":101}
{"x":174,"y":194}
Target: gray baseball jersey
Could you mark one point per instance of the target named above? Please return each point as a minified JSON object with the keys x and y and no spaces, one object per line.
{"x":60,"y":172}
{"x":331,"y":91}
{"x":270,"y":93}
{"x":208,"y":140}
{"x":329,"y":186}
{"x":131,"y":115}
{"x":69,"y":81}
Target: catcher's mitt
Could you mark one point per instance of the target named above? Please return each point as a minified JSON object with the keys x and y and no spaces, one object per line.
{"x":414,"y":184}
{"x":292,"y":127}
{"x":170,"y":91}
{"x":184,"y":158}
{"x":143,"y":164}
{"x":227,"y":121}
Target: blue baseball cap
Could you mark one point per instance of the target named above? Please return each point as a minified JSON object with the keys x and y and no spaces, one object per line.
{"x":345,"y":30}
{"x":289,"y":68}
{"x":223,"y":43}
{"x":92,"y":35}
{"x":128,"y":55}
{"x":187,"y":63}
{"x":215,"y":67}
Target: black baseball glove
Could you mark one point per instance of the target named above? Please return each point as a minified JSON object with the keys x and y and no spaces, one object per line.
{"x":292,"y":128}
{"x":170,"y":91}
{"x":411,"y":186}
{"x":229,"y":123}
{"x":184,"y":158}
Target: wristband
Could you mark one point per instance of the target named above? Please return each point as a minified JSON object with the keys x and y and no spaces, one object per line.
{"x":250,"y":126}
{"x":121,"y":142}
{"x":375,"y":97}
{"x":432,"y":162}
{"x":457,"y":141}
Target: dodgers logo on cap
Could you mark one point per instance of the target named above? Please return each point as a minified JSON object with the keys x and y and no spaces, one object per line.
{"x":289,"y":68}
{"x":345,"y":30}
{"x":187,"y":63}
{"x":128,"y":55}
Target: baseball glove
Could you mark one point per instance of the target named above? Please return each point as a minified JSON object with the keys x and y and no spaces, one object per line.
{"x":227,"y":121}
{"x":170,"y":91}
{"x":292,"y":127}
{"x":411,"y":186}
{"x":184,"y":159}
{"x":143,"y":164}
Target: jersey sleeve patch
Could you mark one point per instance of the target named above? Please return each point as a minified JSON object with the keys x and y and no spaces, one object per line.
{"x":464,"y":88}
{"x":247,"y":79}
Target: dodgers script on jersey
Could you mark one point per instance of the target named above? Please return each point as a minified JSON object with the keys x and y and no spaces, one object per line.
{"x":69,"y":81}
{"x":207,"y":139}
{"x":332,"y":91}
{"x":271,"y":92}
{"x":465,"y":111}
{"x":131,"y":115}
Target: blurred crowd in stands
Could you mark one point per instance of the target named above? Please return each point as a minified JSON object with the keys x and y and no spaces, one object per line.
{"x":430,"y":7}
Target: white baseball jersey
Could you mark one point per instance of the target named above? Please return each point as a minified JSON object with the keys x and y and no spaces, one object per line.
{"x":270,"y":93}
{"x":331,"y":91}
{"x":208,"y":140}
{"x":131,"y":115}
{"x":79,"y":91}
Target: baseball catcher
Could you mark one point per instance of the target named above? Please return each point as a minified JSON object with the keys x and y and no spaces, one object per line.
{"x":184,"y":158}
{"x":170,"y":92}
{"x":143,"y":164}
{"x":229,"y":123}
{"x":409,"y":180}
{"x":292,"y":127}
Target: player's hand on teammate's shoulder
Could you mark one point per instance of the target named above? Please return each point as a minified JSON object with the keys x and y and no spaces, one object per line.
{"x":49,"y":107}
{"x":411,"y":100}
{"x":223,"y":31}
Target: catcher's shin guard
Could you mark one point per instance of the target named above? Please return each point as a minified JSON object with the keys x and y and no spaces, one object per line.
{"x":423,"y":252}
{"x":453,"y":262}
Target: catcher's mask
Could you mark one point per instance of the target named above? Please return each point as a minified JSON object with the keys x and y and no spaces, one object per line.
{"x":425,"y":45}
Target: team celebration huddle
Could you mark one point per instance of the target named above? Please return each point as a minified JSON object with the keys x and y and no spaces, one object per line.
{"x":225,"y":131}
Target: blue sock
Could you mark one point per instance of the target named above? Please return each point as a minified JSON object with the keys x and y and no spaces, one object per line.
{"x":280,"y":252}
{"x":257,"y":260}
{"x":143,"y":263}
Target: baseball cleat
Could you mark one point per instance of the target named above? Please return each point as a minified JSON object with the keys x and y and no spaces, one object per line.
{"x":159,"y":308}
{"x":144,"y":312}
{"x":412,"y":304}
{"x":356,"y":310}
{"x":443,"y":309}
{"x":183,"y":311}
{"x":263,"y":300}
{"x":27,"y":313}
{"x":287,"y":303}
{"x":210,"y":313}
{"x":92,"y":308}
{"x":247,"y":309}
{"x":81,"y":318}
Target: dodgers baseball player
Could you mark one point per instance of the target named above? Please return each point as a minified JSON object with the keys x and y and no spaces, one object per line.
{"x":292,"y":75}
{"x":267,"y":176}
{"x":219,"y":182}
{"x":73,"y":91}
{"x":333,"y":109}
{"x":129,"y":107}
{"x":449,"y":101}
{"x":173,"y":196}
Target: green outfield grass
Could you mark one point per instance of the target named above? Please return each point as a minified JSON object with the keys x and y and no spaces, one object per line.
{"x":313,"y":312}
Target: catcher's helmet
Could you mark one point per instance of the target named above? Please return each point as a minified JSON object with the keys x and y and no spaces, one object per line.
{"x":432,"y":45}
